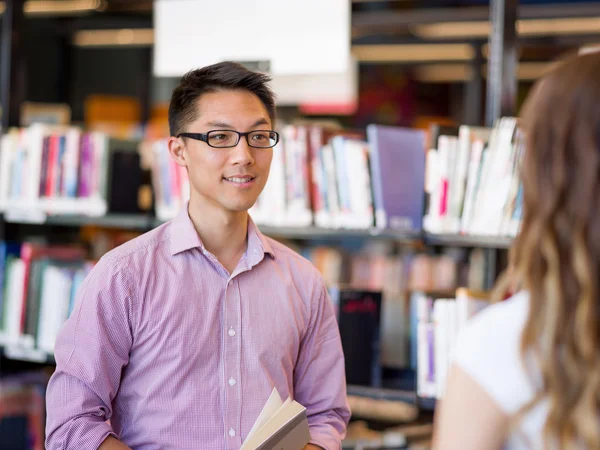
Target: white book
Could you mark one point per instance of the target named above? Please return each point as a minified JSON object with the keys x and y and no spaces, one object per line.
{"x":333,"y":204}
{"x":54,"y":306}
{"x":272,"y":203}
{"x":473,"y":178}
{"x":295,"y":142}
{"x":359,"y":186}
{"x":8,"y":148}
{"x":281,"y":425}
{"x":71,"y":163}
{"x":467,"y":137}
{"x":431,"y":221}
{"x":35,"y":144}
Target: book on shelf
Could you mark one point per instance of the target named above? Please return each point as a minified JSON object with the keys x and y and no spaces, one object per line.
{"x":439,"y":322}
{"x":472,"y":181}
{"x":359,"y":320}
{"x":39,"y":286}
{"x":326,"y":176}
{"x":170,"y":181}
{"x":281,"y":425}
{"x":383,"y":179}
{"x":398,"y":171}
{"x":398,"y":274}
{"x":48,"y":169}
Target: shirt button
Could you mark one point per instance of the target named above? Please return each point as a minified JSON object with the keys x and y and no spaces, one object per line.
{"x":231,"y":283}
{"x":231,"y":432}
{"x":255,"y":252}
{"x":231,"y":332}
{"x":232,"y":381}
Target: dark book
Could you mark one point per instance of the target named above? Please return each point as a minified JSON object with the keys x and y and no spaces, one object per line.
{"x":359,"y":318}
{"x":125,"y":178}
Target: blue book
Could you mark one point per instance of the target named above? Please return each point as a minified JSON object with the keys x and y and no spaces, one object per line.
{"x":397,"y":176}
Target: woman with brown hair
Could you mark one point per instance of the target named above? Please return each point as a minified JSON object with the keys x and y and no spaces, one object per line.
{"x":526,"y":371}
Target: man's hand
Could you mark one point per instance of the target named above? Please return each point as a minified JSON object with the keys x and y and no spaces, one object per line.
{"x":313,"y":447}
{"x":110,"y":443}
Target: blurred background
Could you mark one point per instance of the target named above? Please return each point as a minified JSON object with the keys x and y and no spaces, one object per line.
{"x":397,"y":174}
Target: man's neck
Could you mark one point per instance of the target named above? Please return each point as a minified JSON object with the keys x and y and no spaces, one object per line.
{"x":224,"y":235}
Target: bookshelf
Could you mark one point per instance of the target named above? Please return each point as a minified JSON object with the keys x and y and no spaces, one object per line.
{"x":382,"y":394}
{"x":324,"y":233}
{"x":15,"y":357}
{"x":147,"y":222}
{"x":458,"y":240}
{"x":29,"y":355}
{"x":121,"y":221}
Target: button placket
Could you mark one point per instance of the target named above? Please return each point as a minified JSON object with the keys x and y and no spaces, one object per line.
{"x":232,"y":354}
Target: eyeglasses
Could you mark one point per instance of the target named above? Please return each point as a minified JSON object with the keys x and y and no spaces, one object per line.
{"x":231,"y":138}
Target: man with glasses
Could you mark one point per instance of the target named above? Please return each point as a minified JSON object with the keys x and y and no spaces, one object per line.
{"x":179,"y":336}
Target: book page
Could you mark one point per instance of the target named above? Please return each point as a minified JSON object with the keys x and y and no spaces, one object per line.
{"x":274,"y":403}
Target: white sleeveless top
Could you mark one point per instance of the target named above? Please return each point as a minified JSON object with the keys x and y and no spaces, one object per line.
{"x":488,"y":349}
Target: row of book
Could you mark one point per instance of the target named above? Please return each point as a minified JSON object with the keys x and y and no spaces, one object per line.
{"x":473,"y":182}
{"x":62,"y":170}
{"x":386,"y":178}
{"x":170,"y":180}
{"x":38,"y":284}
{"x":320,"y":176}
{"x":326,"y":177}
{"x":381,"y":266}
{"x":438,"y":324}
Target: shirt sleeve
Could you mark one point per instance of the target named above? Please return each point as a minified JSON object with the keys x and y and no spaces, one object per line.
{"x":319,"y":376}
{"x":91,"y":350}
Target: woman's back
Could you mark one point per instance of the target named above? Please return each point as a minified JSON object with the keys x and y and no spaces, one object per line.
{"x":488,"y":350}
{"x":527,"y":371}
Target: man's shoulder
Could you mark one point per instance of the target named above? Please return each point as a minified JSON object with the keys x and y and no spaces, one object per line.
{"x":290,"y":258}
{"x":138,"y":248}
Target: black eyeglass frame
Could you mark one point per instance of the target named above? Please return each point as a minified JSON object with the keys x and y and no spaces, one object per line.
{"x":204,"y":137}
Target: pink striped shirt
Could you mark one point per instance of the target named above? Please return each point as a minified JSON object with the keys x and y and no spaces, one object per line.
{"x":179,"y":354}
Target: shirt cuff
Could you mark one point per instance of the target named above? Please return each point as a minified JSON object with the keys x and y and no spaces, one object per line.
{"x":324,"y":440}
{"x":89,"y":434}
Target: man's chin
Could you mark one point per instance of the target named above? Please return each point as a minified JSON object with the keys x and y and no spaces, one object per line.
{"x":240,"y":206}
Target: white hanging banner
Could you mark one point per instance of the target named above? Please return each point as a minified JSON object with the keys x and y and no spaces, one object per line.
{"x":289,"y":37}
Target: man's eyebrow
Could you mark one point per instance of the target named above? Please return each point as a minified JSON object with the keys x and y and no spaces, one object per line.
{"x":260,"y":122}
{"x":227,"y":126}
{"x":220,"y":125}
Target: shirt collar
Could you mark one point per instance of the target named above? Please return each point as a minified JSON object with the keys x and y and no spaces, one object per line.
{"x":183,"y":234}
{"x":185,"y":237}
{"x":256,"y":240}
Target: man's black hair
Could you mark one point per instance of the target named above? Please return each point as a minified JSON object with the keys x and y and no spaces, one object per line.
{"x":223,"y":76}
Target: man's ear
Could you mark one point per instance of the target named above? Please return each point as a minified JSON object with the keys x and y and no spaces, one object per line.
{"x":177,"y":150}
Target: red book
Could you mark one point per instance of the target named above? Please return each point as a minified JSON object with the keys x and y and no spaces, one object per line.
{"x":52,"y":166}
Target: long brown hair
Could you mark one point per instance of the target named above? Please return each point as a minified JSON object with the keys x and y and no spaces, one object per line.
{"x":556,"y":256}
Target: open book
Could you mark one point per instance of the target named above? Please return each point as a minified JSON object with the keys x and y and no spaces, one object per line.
{"x":281,"y":425}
